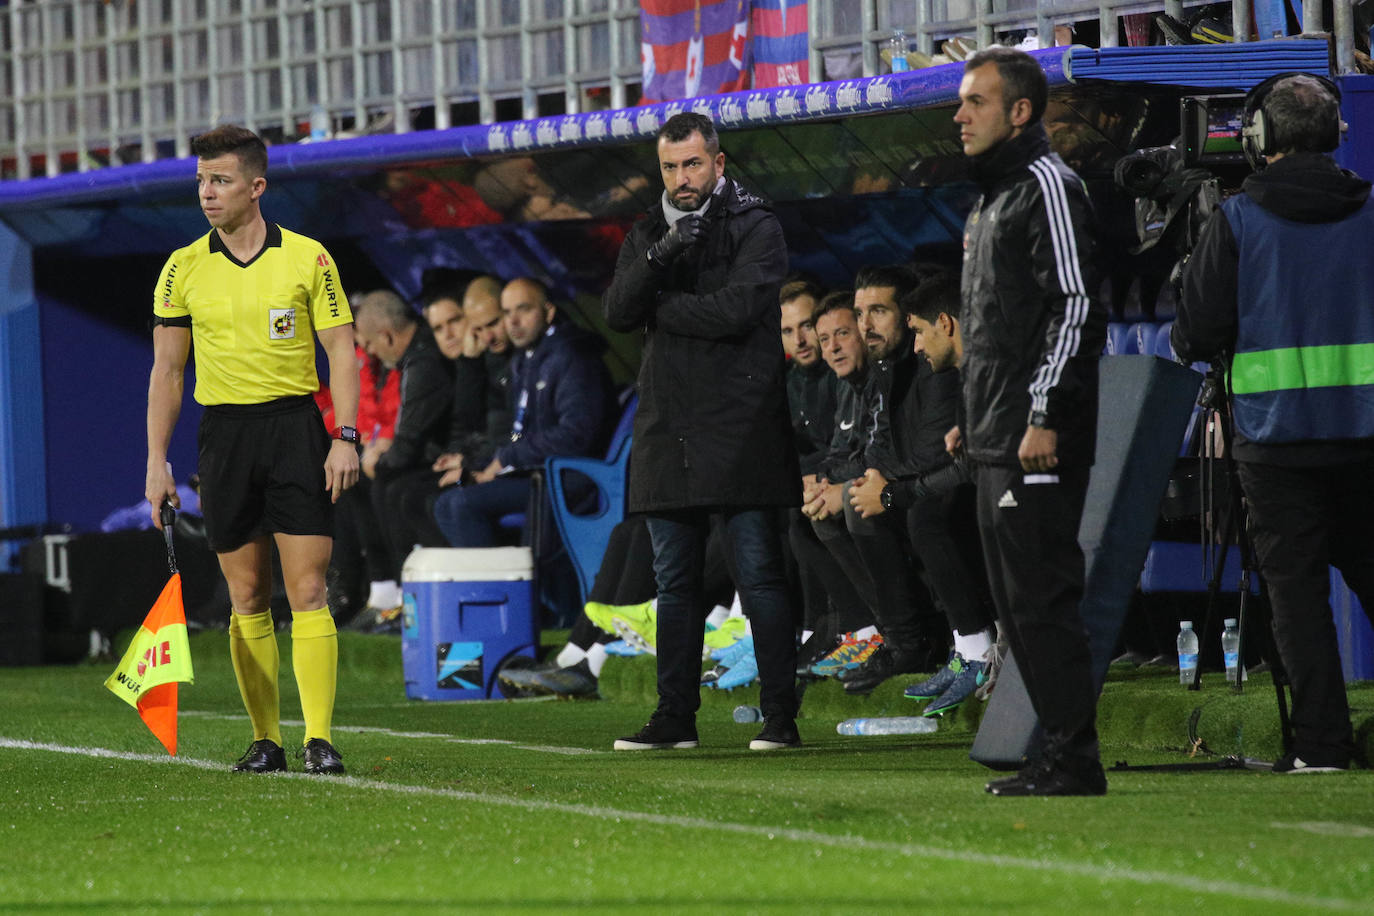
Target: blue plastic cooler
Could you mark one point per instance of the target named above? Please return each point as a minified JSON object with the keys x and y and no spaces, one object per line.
{"x":466,"y":611}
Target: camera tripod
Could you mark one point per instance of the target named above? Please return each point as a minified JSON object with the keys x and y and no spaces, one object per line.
{"x":1223,"y":525}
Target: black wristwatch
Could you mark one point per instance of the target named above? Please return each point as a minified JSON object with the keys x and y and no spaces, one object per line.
{"x":885,"y":497}
{"x":347,"y":434}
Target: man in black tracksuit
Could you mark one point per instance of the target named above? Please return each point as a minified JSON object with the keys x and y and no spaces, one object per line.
{"x":1033,"y":334}
{"x":913,"y":638}
{"x":1279,"y":287}
{"x":939,"y":517}
{"x":830,"y":604}
{"x":700,"y":277}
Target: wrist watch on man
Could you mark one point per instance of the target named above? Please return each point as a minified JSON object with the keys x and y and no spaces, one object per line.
{"x":347,"y":434}
{"x":885,"y":497}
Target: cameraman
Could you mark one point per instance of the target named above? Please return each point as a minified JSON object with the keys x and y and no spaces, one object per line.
{"x":1279,"y":286}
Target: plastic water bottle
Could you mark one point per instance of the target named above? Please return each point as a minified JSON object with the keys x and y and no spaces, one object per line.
{"x":887,"y":725}
{"x":319,"y":122}
{"x":1230,"y":649}
{"x":748,"y":714}
{"x":897,"y":46}
{"x":1187,"y":653}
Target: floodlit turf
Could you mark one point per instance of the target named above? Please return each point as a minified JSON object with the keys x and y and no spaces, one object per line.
{"x":522,"y":806}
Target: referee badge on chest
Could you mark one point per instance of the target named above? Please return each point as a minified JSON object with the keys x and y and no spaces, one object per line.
{"x":281,"y":324}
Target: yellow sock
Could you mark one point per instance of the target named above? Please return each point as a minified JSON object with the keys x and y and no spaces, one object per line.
{"x":253,"y":648}
{"x":315,"y":657}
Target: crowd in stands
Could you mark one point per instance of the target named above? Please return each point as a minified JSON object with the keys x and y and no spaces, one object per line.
{"x":461,"y":404}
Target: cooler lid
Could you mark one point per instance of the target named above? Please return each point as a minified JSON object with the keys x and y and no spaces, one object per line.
{"x":468,"y":564}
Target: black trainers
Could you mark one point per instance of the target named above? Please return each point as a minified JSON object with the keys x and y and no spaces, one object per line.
{"x":661,"y":732}
{"x":1293,"y":763}
{"x":1174,"y":32}
{"x":574,"y":681}
{"x":777,"y":733}
{"x":1053,"y":776}
{"x":321,"y":758}
{"x":263,"y":756}
{"x":886,"y":662}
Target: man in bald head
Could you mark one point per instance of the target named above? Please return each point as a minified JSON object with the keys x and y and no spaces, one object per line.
{"x":562,"y":403}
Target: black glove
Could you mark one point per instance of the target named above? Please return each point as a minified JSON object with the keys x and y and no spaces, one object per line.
{"x":685,"y":233}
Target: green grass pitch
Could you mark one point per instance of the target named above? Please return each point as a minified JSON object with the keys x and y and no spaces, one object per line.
{"x":520,"y":806}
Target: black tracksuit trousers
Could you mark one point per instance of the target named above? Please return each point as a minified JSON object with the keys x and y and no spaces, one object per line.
{"x":1029,"y":527}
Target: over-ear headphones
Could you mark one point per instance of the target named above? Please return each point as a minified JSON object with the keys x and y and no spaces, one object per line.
{"x":1257,"y":135}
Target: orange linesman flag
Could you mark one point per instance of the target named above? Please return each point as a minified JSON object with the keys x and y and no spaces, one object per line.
{"x":157,"y":659}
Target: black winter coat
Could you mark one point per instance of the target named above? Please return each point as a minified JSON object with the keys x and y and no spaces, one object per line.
{"x":920,"y":409}
{"x":712,"y":428}
{"x":426,"y":400}
{"x":1033,"y":324}
{"x":811,"y":395}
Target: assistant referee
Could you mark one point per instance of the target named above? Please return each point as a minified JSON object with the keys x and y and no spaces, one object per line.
{"x":253,"y":296}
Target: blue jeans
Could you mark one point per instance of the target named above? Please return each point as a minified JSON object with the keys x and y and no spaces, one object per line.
{"x":467,"y":515}
{"x":754,"y":538}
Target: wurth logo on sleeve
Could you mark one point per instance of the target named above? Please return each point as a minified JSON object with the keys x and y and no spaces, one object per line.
{"x":322,"y":259}
{"x":330,"y":295}
{"x":167,"y":287}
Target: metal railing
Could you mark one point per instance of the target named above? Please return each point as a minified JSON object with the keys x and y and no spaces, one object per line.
{"x":89,"y":83}
{"x":134,"y":81}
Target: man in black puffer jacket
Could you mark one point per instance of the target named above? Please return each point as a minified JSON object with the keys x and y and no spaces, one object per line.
{"x":700,"y":276}
{"x":1033,"y":333}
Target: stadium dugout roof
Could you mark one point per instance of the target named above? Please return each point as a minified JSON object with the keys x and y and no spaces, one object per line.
{"x":860,"y":170}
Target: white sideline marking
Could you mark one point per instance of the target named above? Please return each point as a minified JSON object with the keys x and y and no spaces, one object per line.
{"x":1102,"y":873}
{"x":392,"y":733}
{"x":1326,"y":828}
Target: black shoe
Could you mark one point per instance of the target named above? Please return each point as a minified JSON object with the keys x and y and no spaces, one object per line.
{"x":263,"y":756}
{"x":1053,"y":776}
{"x":574,"y":681}
{"x":1174,"y":32}
{"x":516,"y":676}
{"x":1207,"y":30}
{"x":777,"y":733}
{"x":661,"y":732}
{"x":321,"y":759}
{"x":886,"y":662}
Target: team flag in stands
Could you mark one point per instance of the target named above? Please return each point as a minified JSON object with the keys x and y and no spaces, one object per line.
{"x":780,"y":43}
{"x":158,"y":658}
{"x":694,"y":47}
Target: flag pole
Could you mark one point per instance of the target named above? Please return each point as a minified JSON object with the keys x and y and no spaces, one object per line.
{"x":169,"y":520}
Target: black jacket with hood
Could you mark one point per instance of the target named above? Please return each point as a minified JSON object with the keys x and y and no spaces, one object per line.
{"x":1304,"y":188}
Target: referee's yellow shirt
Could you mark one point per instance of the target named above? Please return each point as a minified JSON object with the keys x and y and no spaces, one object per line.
{"x":253,"y":324}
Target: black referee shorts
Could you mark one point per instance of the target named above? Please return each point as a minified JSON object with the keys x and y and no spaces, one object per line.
{"x":262,"y":471}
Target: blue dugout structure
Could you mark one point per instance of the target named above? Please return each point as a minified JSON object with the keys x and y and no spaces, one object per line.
{"x":860,"y":171}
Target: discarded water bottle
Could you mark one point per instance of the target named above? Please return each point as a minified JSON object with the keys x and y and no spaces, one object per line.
{"x":1230,"y":649}
{"x":887,"y":725}
{"x":1187,"y":653}
{"x":897,"y":47}
{"x":319,"y":122}
{"x":748,"y":714}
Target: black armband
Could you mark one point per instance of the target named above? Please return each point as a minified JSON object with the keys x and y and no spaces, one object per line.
{"x":178,"y":321}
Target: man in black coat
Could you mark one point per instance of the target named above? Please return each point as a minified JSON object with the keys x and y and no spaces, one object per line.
{"x":700,"y":276}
